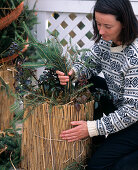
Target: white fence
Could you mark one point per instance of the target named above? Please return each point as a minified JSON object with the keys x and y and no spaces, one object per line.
{"x":68,"y":19}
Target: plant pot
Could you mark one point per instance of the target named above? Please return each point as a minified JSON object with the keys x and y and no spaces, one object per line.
{"x":6,"y":101}
{"x":9,"y":58}
{"x":8,"y":19}
{"x":42,"y":148}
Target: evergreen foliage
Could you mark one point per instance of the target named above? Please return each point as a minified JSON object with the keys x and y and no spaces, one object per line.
{"x":4,"y":86}
{"x":10,"y":145}
{"x":10,"y":140}
{"x":46,"y":87}
{"x":10,"y":35}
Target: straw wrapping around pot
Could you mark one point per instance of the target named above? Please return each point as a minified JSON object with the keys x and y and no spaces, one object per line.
{"x":7,"y":74}
{"x":42,"y":148}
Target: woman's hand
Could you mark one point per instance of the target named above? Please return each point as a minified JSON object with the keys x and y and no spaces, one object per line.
{"x":63,"y":78}
{"x":76,"y":133}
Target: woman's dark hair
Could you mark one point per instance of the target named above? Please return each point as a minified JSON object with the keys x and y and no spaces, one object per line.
{"x":124,"y":13}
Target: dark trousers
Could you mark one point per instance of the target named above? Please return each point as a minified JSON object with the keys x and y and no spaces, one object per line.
{"x":119,"y":151}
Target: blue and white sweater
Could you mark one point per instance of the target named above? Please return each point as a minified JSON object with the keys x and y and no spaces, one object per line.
{"x":120,"y":68}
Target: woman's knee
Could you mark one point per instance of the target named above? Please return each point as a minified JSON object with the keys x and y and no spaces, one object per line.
{"x":128,"y":162}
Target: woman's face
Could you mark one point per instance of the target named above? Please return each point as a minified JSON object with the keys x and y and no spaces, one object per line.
{"x":109,"y":28}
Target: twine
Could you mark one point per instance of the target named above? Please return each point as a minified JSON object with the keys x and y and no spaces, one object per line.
{"x":12,"y":162}
{"x":51,"y":143}
{"x":59,"y":140}
{"x":13,"y":70}
{"x":3,"y":150}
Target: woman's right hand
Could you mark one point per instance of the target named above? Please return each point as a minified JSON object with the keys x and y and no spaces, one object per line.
{"x":64,"y":78}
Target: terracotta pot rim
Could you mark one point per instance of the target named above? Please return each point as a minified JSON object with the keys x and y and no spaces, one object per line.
{"x":8,"y":19}
{"x":9,"y":58}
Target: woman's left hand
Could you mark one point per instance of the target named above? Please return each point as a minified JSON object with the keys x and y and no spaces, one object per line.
{"x":76,"y":133}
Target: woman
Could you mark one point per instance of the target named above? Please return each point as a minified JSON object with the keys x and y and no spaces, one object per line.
{"x":116,"y":54}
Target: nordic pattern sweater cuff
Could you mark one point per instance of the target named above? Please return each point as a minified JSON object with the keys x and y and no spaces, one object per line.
{"x":92,"y":128}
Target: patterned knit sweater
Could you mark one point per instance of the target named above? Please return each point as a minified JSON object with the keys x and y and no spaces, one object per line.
{"x":120,"y":68}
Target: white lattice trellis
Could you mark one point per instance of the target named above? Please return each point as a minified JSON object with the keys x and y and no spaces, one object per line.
{"x":77,"y":27}
{"x":70,"y":20}
{"x":70,"y":27}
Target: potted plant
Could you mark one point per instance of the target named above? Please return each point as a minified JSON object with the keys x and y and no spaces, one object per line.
{"x":53,"y":107}
{"x":12,"y":15}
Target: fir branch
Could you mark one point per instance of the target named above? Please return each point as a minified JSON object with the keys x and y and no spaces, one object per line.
{"x":4,"y":86}
{"x":33,"y":65}
{"x":49,"y":52}
{"x":75,"y":94}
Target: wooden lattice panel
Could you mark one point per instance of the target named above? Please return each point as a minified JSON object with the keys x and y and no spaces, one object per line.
{"x":71,"y":26}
